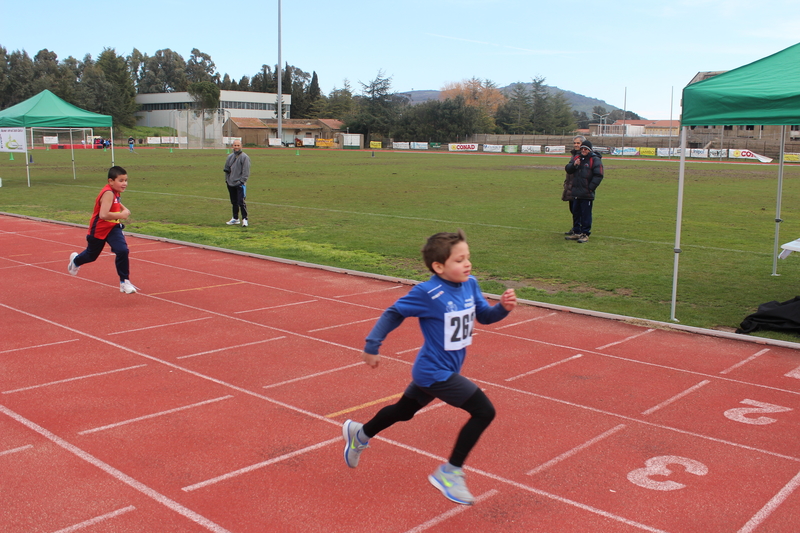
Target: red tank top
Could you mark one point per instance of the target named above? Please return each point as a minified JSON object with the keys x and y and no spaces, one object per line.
{"x":99,"y":228}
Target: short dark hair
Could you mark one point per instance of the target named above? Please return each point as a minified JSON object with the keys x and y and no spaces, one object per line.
{"x":438,"y":247}
{"x":116,"y":171}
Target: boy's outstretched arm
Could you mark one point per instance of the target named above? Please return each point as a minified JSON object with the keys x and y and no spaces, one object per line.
{"x":389,"y":320}
{"x":508,"y":300}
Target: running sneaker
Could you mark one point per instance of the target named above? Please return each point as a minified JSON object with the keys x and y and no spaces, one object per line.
{"x":244,"y":222}
{"x":452,"y":485}
{"x":232,"y":221}
{"x":353,"y":446}
{"x":71,"y":267}
{"x":127,"y":287}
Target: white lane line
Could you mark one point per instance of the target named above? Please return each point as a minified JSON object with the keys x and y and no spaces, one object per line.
{"x":231,"y":347}
{"x":409,"y":350}
{"x":73,"y":379}
{"x":573,"y":451}
{"x":741,"y":363}
{"x":274,"y":307}
{"x":626,"y":339}
{"x":525,"y":321}
{"x":116,"y":474}
{"x":310,"y":376}
{"x":160,"y":325}
{"x":676,"y":397}
{"x":153,"y":415}
{"x":96,"y":520}
{"x":371,"y":292}
{"x":551,"y":365}
{"x":451,"y":513}
{"x":15,"y":450}
{"x":256,"y":466}
{"x":794,"y":373}
{"x":771,"y":505}
{"x":343,"y":325}
{"x":38,"y":346}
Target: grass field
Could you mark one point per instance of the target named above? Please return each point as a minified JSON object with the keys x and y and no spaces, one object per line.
{"x":372,"y":211}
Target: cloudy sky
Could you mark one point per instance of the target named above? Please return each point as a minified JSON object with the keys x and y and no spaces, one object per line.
{"x":632,"y":54}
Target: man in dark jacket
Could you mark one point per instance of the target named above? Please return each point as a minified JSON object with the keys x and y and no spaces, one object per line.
{"x":586,"y":169}
{"x":567,"y":194}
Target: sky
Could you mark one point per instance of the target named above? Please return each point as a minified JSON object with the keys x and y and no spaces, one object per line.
{"x":634,"y":55}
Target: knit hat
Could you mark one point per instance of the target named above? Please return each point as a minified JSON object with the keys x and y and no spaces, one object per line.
{"x":587,"y":144}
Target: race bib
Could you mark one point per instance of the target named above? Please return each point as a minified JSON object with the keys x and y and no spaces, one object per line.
{"x":458,"y":326}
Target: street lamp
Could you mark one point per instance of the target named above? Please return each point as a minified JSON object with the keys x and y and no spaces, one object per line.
{"x":602,"y":122}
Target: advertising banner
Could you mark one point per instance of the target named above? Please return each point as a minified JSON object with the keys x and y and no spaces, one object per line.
{"x":419,"y":146}
{"x":531,"y":148}
{"x":47,"y":139}
{"x":376,"y":144}
{"x":698,"y":152}
{"x":747,"y":154}
{"x":399,"y":146}
{"x":466,"y":147}
{"x":662,"y":152}
{"x":154,"y":140}
{"x":628,"y":150}
{"x":647,"y":151}
{"x":510,"y":148}
{"x":717,"y":153}
{"x":555,"y":149}
{"x":274,"y":141}
{"x":492,"y":147}
{"x":791,"y":158}
{"x":13,"y":140}
{"x":326,"y":143}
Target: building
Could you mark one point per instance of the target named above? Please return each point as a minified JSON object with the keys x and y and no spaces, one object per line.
{"x":161,"y":109}
{"x":258,"y":132}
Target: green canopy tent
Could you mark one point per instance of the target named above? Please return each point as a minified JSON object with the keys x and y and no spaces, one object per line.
{"x":46,"y":110}
{"x":765,"y":92}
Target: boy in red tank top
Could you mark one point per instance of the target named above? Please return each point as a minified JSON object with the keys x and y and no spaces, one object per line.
{"x":106,"y":227}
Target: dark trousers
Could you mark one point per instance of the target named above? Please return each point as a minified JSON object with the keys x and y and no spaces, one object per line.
{"x":582,"y":216}
{"x":478,"y":405}
{"x":237,"y":194}
{"x":571,"y":204}
{"x":116,"y":240}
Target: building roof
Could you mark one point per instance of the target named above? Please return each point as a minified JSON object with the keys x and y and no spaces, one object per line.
{"x":247,"y":122}
{"x":664,"y":124}
{"x":332,"y":123}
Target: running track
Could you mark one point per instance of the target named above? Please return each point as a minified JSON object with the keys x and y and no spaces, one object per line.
{"x":213,"y":399}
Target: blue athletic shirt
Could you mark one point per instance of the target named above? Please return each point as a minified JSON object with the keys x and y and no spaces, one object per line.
{"x":447,"y":312}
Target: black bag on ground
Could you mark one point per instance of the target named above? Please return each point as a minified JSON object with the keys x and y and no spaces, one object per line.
{"x":776,"y":316}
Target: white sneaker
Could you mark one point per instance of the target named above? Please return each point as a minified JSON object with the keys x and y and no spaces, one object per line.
{"x":71,"y":266}
{"x":244,"y":222}
{"x":232,"y":221}
{"x":127,"y":287}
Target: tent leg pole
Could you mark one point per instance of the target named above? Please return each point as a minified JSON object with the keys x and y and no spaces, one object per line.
{"x":72,"y":150}
{"x":778,"y":203}
{"x":678,"y":222}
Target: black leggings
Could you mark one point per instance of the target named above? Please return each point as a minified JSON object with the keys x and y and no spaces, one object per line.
{"x":478,"y":406}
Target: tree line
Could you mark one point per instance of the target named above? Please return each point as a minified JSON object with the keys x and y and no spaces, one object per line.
{"x":110,"y":83}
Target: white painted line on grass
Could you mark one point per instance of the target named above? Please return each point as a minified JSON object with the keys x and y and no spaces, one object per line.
{"x":38,"y":346}
{"x":274,"y":307}
{"x":96,"y":520}
{"x":154,"y":415}
{"x":160,"y":325}
{"x":740,"y":363}
{"x":526,"y":321}
{"x":116,"y":474}
{"x":231,"y":347}
{"x":371,"y":292}
{"x":451,"y":513}
{"x":626,"y":339}
{"x":573,"y":451}
{"x":256,"y":466}
{"x":343,"y":325}
{"x":771,"y":505}
{"x":794,"y":373}
{"x":311,"y":376}
{"x":551,"y":365}
{"x":676,"y":397}
{"x":74,"y":379}
{"x":15,"y":450}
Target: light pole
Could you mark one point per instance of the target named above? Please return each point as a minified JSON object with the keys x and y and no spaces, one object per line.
{"x":602,"y":122}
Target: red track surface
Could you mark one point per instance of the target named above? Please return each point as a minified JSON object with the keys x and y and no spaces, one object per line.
{"x":213,"y":399}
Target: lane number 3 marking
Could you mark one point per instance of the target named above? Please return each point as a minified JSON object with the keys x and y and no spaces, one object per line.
{"x":739,"y":414}
{"x":658,"y":466}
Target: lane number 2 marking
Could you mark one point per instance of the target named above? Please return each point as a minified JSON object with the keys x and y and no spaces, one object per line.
{"x":658,"y":466}
{"x":739,"y":414}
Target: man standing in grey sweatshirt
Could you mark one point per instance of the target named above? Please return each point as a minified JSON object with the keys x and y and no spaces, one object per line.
{"x":237,"y":170}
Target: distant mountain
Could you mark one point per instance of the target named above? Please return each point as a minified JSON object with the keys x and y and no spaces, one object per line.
{"x":578,"y":102}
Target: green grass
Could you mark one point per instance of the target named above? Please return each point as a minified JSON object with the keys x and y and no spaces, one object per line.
{"x":353,"y":210}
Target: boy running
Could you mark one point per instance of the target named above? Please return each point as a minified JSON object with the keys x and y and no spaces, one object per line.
{"x":447,"y":306}
{"x":106,"y":227}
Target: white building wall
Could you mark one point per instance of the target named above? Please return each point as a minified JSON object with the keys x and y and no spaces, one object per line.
{"x":159,"y":108}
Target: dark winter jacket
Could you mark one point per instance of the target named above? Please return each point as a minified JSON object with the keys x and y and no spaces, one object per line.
{"x":567,"y":194}
{"x":587,"y":173}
